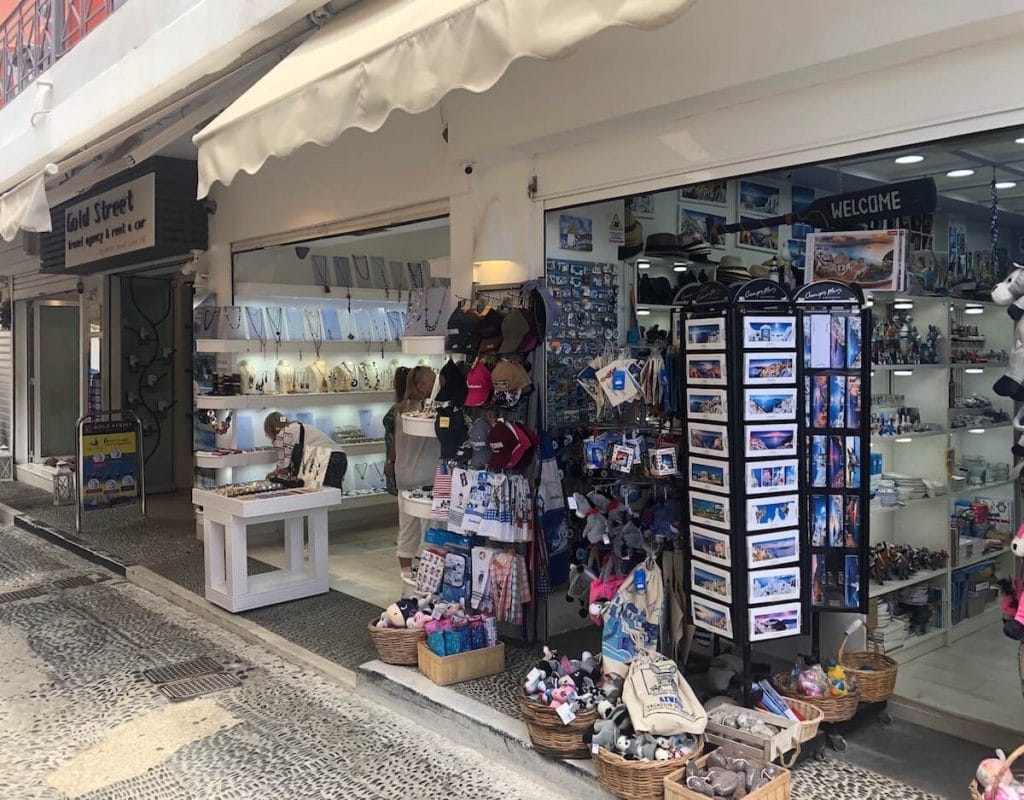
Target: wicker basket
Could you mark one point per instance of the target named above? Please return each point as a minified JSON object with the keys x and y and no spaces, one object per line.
{"x":397,"y":645}
{"x":833,"y":709}
{"x":550,"y":736}
{"x":812,"y":716}
{"x":775,"y":789}
{"x":638,"y":780}
{"x":874,"y":673}
{"x":978,"y":793}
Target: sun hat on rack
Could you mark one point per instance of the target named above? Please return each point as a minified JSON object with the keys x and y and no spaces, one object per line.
{"x":633,"y":242}
{"x":661,"y":245}
{"x":731,"y":269}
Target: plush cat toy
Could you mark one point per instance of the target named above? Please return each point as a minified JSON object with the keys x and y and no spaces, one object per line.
{"x":1010,"y":293}
{"x":1013,"y":608}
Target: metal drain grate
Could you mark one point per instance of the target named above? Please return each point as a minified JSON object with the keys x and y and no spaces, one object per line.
{"x":186,"y":669}
{"x":24,"y":594}
{"x":78,"y":580}
{"x":188,"y":688}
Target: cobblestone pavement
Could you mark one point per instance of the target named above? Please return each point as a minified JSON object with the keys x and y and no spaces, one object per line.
{"x":78,"y":719}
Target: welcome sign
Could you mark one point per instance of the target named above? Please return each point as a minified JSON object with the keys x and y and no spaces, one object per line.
{"x":118,"y":221}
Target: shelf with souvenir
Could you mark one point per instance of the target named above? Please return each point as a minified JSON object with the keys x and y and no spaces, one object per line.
{"x":219,"y":346}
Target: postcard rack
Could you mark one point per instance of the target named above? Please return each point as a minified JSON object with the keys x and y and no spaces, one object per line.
{"x":751,"y":366}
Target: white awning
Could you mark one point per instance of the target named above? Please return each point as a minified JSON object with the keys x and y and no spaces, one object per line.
{"x":390,"y":54}
{"x":24,"y":208}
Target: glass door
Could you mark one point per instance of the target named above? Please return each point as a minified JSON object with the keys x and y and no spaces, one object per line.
{"x":56,"y":378}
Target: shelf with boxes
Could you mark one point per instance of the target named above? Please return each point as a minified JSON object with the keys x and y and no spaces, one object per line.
{"x":940,"y":450}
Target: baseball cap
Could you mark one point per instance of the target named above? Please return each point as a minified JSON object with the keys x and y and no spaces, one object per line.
{"x":490,"y":331}
{"x":453,"y":384}
{"x":450,"y":429}
{"x":463,"y":331}
{"x":522,"y":448}
{"x":502,"y":441}
{"x":479,"y":385}
{"x":513,"y":329}
{"x":481,"y":452}
{"x":510,"y":380}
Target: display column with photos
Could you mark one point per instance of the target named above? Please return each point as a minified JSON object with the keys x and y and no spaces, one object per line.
{"x":743,"y":463}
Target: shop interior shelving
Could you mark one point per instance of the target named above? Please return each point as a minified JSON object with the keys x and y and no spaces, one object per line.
{"x":929,"y":388}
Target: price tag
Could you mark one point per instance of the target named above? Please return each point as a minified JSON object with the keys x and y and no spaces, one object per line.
{"x":565,"y":713}
{"x":573,"y":505}
{"x":444,"y":422}
{"x":640,"y":580}
{"x":594,"y":747}
{"x":605,"y":539}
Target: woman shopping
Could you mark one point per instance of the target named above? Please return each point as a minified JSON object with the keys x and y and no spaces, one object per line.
{"x":401,"y":376}
{"x":416,"y":459}
{"x":289,"y":438}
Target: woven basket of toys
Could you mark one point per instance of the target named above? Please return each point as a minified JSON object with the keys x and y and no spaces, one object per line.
{"x":832,"y":708}
{"x":638,"y":780}
{"x":996,"y":772}
{"x":550,"y":735}
{"x":874,"y":673}
{"x":397,"y":645}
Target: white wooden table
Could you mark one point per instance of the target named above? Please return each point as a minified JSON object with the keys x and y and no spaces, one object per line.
{"x":225,"y":533}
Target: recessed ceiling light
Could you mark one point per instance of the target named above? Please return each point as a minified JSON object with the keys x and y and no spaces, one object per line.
{"x":643,"y":312}
{"x":1006,"y":184}
{"x":959,"y":173}
{"x":642,"y":264}
{"x":909,"y":159}
{"x":1020,"y":140}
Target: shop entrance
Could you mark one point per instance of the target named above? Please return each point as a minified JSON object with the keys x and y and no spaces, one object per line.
{"x":54,"y":387}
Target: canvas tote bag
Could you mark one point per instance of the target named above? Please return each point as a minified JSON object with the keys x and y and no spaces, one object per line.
{"x":632,"y":620}
{"x":659,"y":699}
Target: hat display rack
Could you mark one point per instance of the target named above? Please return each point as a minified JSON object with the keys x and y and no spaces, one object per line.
{"x":760,"y":563}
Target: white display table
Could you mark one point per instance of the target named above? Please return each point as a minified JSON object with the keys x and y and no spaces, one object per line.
{"x":225,"y":530}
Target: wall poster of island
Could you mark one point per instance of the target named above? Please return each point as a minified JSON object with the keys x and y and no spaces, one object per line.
{"x":575,"y":233}
{"x":711,"y":226}
{"x":713,"y":192}
{"x":869,"y":259}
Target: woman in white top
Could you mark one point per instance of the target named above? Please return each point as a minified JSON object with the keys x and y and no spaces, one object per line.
{"x":416,"y":459}
{"x":284,"y":436}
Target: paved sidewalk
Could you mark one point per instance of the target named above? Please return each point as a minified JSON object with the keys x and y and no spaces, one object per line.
{"x":79,"y":720}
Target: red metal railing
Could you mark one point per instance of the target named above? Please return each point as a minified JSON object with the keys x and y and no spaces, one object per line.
{"x":35,"y":33}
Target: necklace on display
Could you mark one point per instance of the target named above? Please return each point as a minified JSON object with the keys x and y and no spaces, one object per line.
{"x":234,"y":318}
{"x":276,"y":326}
{"x":210,"y":316}
{"x":316,"y":330}
{"x":351,"y":323}
{"x":320,"y":271}
{"x":256,"y":325}
{"x":353,"y":371}
{"x":362,"y":472}
{"x":384,"y":278}
{"x":359,"y":272}
{"x":440,"y":307}
{"x":416,"y":274}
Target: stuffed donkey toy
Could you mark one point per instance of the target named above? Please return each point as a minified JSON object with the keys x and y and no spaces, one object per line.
{"x":1010,"y":293}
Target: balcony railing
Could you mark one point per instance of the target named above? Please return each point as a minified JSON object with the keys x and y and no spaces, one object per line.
{"x":38,"y":32}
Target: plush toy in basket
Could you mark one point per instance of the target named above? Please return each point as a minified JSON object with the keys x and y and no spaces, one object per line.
{"x":830,"y":690}
{"x":398,"y":630}
{"x":995,"y":779}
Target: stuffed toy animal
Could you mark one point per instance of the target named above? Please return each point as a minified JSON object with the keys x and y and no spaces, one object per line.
{"x":988,"y":770}
{"x":1013,"y":608}
{"x":1010,"y":293}
{"x":837,"y":679}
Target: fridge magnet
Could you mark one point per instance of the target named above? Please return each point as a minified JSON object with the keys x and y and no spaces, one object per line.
{"x":836,"y":401}
{"x":838,"y":343}
{"x":772,"y":512}
{"x":774,"y":622}
{"x":706,"y":370}
{"x":772,"y":476}
{"x":817,"y":462}
{"x":708,"y":440}
{"x":709,"y":509}
{"x":836,"y":459}
{"x":835,"y":520}
{"x":853,"y":462}
{"x":769,"y":332}
{"x":711,"y":546}
{"x":706,"y":404}
{"x":704,"y":334}
{"x":761,"y":369}
{"x":661,"y":462}
{"x":712,"y":617}
{"x":819,"y":520}
{"x":575,"y":233}
{"x":854,"y":343}
{"x":852,"y":581}
{"x":869,"y":259}
{"x":770,"y":440}
{"x":711,"y":581}
{"x":853,"y":409}
{"x":773,"y":549}
{"x":774,"y":585}
{"x":820,"y":326}
{"x":709,"y":474}
{"x":852,"y":527}
{"x":761,"y":405}
{"x":622,"y":458}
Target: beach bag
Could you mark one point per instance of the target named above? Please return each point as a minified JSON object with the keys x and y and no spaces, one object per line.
{"x":659,"y":699}
{"x":632,"y":621}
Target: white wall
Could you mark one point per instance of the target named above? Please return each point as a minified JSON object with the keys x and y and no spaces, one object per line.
{"x":131,"y":63}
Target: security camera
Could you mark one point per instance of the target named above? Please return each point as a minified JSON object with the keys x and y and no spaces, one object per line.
{"x":301,"y":252}
{"x":468,"y":167}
